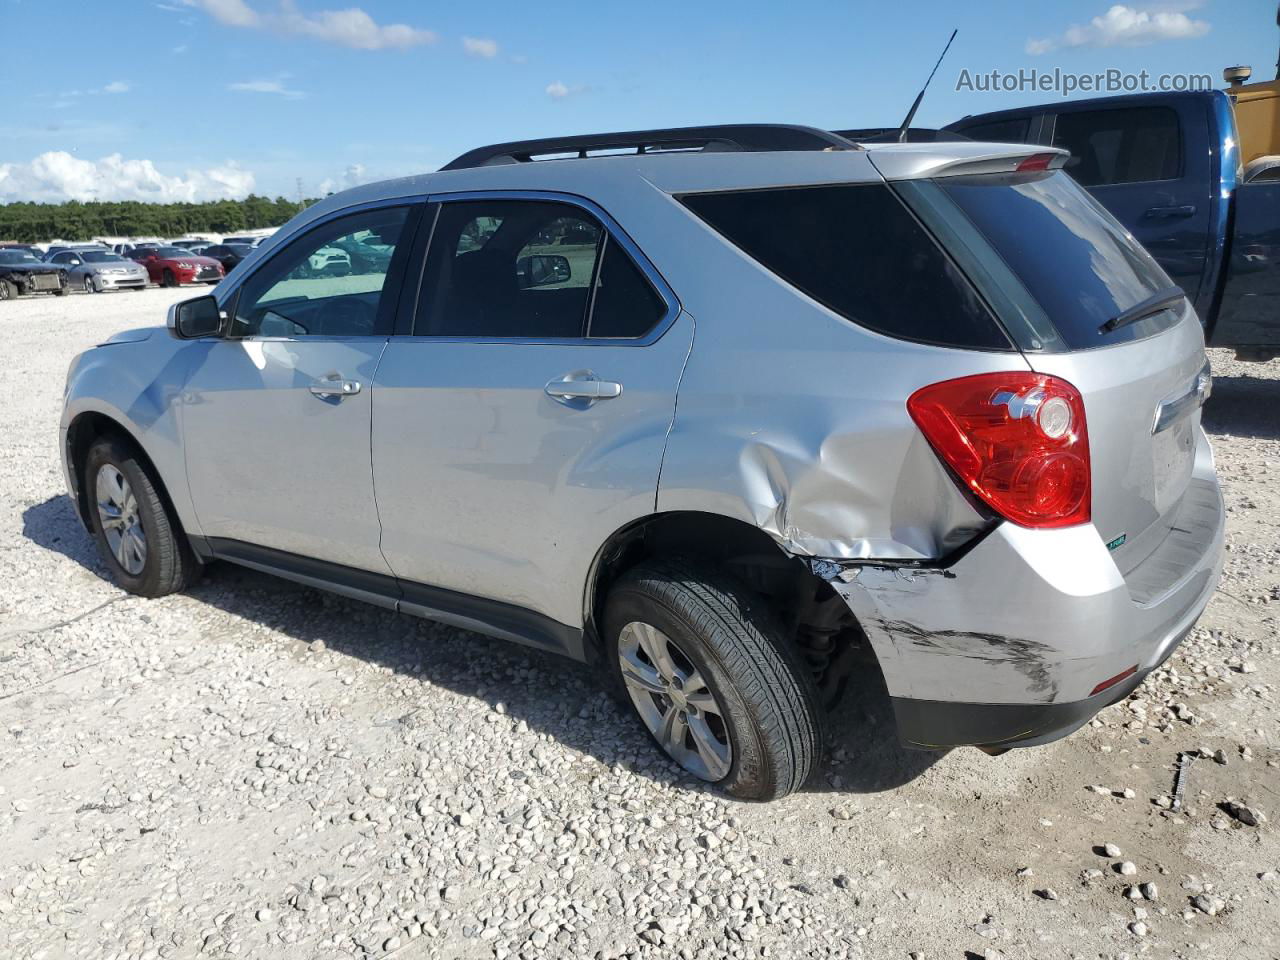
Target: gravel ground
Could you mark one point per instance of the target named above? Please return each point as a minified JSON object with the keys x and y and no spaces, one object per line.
{"x":256,"y":769}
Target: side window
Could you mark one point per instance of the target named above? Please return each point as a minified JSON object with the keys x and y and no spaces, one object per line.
{"x":1127,"y":145}
{"x":323,"y":284}
{"x":1014,"y":130}
{"x":857,"y":250}
{"x":530,"y":269}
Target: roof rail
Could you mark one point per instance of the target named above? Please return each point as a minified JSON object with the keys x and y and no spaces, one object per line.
{"x":749,"y":137}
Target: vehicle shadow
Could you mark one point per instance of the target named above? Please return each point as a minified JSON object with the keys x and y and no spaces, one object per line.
{"x":553,"y":695}
{"x":1244,"y":407}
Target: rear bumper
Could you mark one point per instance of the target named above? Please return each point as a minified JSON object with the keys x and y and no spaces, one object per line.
{"x":1008,"y":644}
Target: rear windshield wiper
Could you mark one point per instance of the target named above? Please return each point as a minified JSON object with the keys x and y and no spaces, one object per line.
{"x":1163,"y":300}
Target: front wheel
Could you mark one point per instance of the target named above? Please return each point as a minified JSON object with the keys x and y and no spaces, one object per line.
{"x":141,"y":544}
{"x":8,"y":291}
{"x":88,"y":284}
{"x":709,"y":673}
{"x":169,"y":280}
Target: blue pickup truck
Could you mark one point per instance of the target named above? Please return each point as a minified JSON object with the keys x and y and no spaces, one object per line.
{"x":1168,"y":167}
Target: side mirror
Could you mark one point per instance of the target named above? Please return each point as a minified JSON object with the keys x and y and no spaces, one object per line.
{"x":74,"y":262}
{"x":540,"y":270}
{"x":193,"y":319}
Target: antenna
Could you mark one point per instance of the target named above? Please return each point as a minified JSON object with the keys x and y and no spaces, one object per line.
{"x":911,"y":114}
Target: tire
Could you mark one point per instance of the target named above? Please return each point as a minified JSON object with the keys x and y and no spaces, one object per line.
{"x":751,"y":690}
{"x":168,"y":279}
{"x":8,"y":291}
{"x":89,"y":286}
{"x":167,"y":564}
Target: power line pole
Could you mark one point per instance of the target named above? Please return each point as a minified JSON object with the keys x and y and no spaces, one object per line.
{"x":301,"y":202}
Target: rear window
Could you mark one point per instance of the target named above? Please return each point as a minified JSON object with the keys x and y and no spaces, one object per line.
{"x":1080,"y":265}
{"x":1127,"y":145}
{"x":858,"y":251}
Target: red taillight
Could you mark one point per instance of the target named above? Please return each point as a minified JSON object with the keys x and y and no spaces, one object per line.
{"x":1035,"y":162}
{"x":1114,"y":680}
{"x":1017,"y":440}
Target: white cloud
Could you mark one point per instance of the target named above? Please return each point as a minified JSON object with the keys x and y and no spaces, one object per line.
{"x":353,"y":176}
{"x":351,"y":27}
{"x":233,"y":13}
{"x":276,"y":87}
{"x":1123,"y":26}
{"x":116,"y":86}
{"x":57,"y":175}
{"x":480,"y":47}
{"x":558,"y":90}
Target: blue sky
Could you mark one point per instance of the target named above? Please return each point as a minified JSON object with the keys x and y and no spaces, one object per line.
{"x":195,"y":99}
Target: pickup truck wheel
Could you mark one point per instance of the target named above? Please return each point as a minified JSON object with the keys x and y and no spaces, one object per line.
{"x":701,"y":660}
{"x":142,"y":546}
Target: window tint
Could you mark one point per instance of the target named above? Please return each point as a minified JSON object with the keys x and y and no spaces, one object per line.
{"x":626,"y":305}
{"x":1129,"y":145}
{"x":999,"y":131}
{"x":858,"y":251}
{"x":1075,"y":259}
{"x":525,"y":269}
{"x":313,"y":287}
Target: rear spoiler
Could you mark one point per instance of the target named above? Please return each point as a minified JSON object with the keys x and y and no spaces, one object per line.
{"x":929,"y":161}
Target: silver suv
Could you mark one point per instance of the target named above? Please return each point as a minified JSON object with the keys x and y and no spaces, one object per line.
{"x":731,"y":412}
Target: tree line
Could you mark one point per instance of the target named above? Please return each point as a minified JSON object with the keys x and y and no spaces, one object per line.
{"x":74,"y":220}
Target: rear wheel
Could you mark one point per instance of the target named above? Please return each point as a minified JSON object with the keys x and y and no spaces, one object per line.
{"x":139,"y":541}
{"x":8,"y":291}
{"x":700,"y":659}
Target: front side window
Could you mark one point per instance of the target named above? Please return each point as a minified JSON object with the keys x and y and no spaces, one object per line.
{"x":859,"y":252}
{"x":1127,"y":145}
{"x":530,"y":269}
{"x":312,"y":287}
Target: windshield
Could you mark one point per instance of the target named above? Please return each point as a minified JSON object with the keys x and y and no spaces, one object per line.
{"x":17,"y":256}
{"x":95,"y":256}
{"x":1074,"y":258}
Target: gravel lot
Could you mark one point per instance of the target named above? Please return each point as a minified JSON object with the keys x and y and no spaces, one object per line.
{"x":256,"y":769}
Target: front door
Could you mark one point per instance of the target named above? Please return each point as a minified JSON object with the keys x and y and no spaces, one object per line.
{"x":276,"y":417}
{"x":523,"y":419}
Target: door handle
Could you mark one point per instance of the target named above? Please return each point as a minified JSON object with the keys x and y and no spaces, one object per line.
{"x":583,"y":388}
{"x":1169,"y":213}
{"x":334,"y":387}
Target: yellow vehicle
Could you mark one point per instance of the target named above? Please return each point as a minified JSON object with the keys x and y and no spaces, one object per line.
{"x":1257,"y":114}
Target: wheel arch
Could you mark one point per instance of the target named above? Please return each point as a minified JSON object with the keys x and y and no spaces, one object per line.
{"x":83,"y":430}
{"x":812,"y":614}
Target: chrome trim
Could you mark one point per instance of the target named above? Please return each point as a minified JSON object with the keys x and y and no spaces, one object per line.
{"x":615,"y":232}
{"x":1172,"y":409}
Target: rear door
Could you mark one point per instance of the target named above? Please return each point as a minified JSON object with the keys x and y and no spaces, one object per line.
{"x":1250,"y":311}
{"x":522,"y":418}
{"x":1142,"y":163}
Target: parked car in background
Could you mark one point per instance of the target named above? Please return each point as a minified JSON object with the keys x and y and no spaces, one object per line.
{"x":29,"y":247}
{"x":366,"y":254}
{"x":329,"y":261}
{"x":63,"y":247}
{"x":173,"y":266}
{"x":1168,"y":166}
{"x":228,"y":254}
{"x":249,"y":241}
{"x":941,"y":410}
{"x":21,"y":271}
{"x":95,"y":271}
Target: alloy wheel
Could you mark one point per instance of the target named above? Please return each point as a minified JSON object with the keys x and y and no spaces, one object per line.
{"x":88,"y":284}
{"x":121,"y":525}
{"x":675,"y":701}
